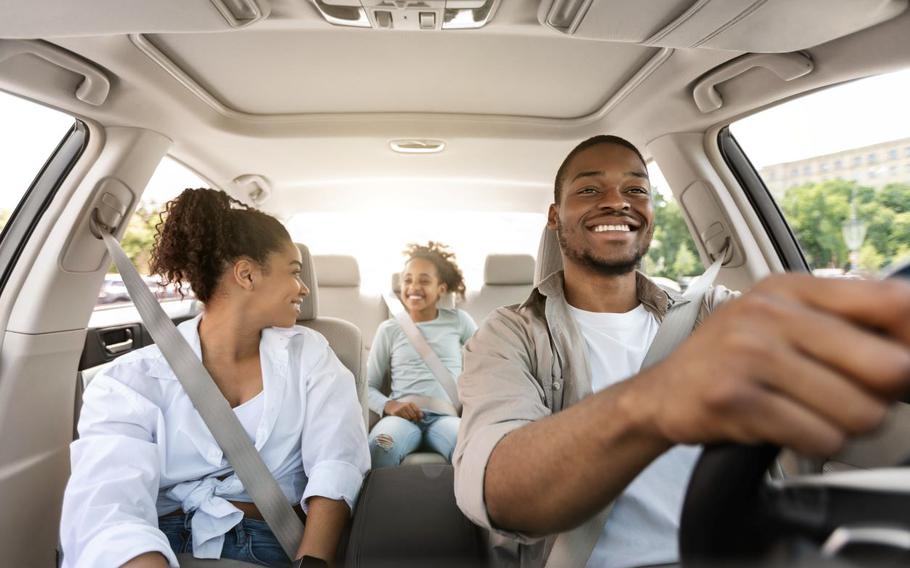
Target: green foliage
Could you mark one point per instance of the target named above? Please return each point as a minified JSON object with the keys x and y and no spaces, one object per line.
{"x":139,"y":237}
{"x":817,"y":212}
{"x":672,"y":253}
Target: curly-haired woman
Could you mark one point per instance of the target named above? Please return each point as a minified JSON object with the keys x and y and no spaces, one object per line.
{"x":148,"y":479}
{"x":429,"y":273}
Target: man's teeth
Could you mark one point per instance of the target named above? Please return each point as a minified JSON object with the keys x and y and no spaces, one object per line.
{"x":605,"y":228}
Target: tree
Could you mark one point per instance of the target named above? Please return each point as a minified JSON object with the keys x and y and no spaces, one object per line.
{"x":671,"y":238}
{"x":139,"y":236}
{"x":817,"y":212}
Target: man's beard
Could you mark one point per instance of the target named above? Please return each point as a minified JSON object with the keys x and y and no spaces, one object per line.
{"x":602,"y":266}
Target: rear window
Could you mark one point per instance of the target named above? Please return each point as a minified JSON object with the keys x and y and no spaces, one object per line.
{"x":377,"y":239}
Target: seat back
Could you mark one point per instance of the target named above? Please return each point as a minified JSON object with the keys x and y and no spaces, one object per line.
{"x":433,"y":532}
{"x":507,"y":279}
{"x":340,"y":295}
{"x":343,"y":336}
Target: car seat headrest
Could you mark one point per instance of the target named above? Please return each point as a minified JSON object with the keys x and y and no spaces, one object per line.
{"x":337,"y":271}
{"x":549,"y":257}
{"x":508,"y":270}
{"x":309,"y":307}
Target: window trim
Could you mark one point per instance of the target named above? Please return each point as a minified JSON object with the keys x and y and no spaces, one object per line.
{"x":28,"y":213}
{"x":772,"y":218}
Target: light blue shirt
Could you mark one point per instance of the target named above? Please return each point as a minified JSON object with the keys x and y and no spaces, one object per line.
{"x":393,"y":353}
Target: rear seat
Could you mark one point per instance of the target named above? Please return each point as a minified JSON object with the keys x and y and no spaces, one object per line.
{"x":340,"y":296}
{"x":507,"y":279}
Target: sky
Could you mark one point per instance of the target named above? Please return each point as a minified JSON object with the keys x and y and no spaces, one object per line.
{"x":855,"y":114}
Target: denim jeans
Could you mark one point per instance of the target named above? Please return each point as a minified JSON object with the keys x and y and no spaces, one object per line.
{"x":249,"y":541}
{"x":393,"y":438}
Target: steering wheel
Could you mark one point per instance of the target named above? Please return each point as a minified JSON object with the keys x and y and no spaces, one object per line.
{"x":733,"y":514}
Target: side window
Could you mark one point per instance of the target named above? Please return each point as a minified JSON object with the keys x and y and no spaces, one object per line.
{"x":672,"y":256}
{"x":170,"y":178}
{"x":837,"y":162}
{"x":31,"y":133}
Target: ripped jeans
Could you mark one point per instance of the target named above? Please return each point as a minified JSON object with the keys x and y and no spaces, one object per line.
{"x":393,"y":438}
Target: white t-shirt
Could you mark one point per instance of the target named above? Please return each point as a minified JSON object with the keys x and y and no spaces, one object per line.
{"x":250,"y":414}
{"x":642,"y":527}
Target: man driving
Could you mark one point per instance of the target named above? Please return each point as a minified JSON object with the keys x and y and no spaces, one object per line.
{"x":560,"y":421}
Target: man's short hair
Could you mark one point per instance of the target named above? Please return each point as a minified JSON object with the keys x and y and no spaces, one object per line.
{"x":593,"y":141}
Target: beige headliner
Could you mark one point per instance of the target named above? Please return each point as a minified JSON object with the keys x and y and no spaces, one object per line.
{"x":312,"y":108}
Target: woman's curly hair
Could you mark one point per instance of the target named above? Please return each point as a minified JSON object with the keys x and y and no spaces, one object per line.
{"x":203,"y":231}
{"x":444,"y":261}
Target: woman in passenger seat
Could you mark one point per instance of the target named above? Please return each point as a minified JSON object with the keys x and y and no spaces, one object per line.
{"x":148,"y":479}
{"x":415,"y":413}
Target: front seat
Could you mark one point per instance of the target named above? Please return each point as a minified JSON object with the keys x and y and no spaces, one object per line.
{"x":344,"y":337}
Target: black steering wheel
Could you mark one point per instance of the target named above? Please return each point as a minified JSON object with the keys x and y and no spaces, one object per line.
{"x":734,"y":515}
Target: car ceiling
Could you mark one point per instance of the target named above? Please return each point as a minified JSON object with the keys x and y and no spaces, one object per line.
{"x":312,"y":107}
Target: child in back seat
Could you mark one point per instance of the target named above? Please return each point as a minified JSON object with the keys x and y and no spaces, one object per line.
{"x":429,"y":273}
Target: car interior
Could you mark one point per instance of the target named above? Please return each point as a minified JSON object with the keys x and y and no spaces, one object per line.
{"x":368,"y":111}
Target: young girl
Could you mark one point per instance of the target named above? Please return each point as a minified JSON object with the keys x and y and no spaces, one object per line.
{"x":429,"y":273}
{"x":148,"y":479}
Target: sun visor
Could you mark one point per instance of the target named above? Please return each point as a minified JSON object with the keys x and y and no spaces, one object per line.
{"x":757,"y":26}
{"x":115,"y":17}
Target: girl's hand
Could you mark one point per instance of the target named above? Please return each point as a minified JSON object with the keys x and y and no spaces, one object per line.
{"x":406,"y":410}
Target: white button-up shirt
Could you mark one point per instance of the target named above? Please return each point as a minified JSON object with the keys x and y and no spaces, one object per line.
{"x":143,"y":450}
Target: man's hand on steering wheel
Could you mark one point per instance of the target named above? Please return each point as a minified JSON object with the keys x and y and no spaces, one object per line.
{"x":798,"y":361}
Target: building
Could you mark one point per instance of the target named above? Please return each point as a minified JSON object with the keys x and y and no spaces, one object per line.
{"x":875,"y":166}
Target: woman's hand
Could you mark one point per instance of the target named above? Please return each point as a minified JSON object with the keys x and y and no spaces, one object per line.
{"x":406,"y":410}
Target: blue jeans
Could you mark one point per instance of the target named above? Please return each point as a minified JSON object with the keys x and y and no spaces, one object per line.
{"x":249,"y":541}
{"x":393,"y":438}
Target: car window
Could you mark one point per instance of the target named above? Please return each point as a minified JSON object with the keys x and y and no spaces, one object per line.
{"x":170,"y":178}
{"x":31,"y":133}
{"x":837,"y":162}
{"x":377,"y":238}
{"x":672,"y":258}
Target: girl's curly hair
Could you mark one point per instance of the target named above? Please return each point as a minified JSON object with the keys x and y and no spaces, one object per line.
{"x":203,"y":231}
{"x":444,"y":261}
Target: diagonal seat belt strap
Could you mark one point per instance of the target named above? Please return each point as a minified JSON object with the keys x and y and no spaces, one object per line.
{"x":257,"y":480}
{"x":573,"y":548}
{"x":419,"y":342}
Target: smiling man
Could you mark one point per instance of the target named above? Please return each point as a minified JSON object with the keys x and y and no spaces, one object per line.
{"x":560,"y":422}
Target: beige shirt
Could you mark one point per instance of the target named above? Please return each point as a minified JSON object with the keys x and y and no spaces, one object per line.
{"x":525,"y":363}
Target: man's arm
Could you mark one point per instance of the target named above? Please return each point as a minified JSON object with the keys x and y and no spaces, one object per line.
{"x":798,"y":361}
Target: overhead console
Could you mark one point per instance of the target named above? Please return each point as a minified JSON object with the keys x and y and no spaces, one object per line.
{"x":427,"y":15}
{"x":757,"y":26}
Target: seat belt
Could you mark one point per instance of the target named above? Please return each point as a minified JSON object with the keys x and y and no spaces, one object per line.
{"x":221,"y":421}
{"x":573,"y":548}
{"x":419,"y":343}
